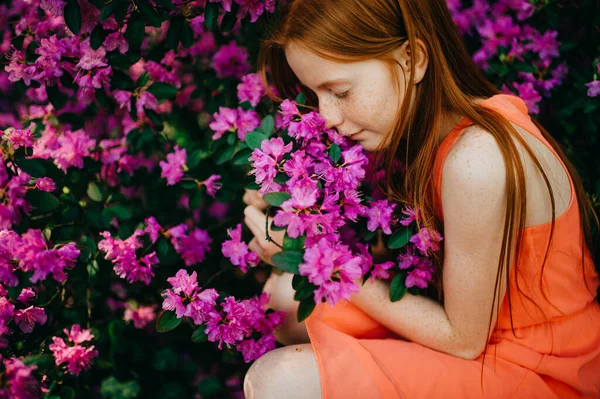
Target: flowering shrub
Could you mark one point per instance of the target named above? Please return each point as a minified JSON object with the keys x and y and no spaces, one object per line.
{"x":128,"y":129}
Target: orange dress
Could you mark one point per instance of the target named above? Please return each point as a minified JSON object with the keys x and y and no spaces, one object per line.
{"x":560,"y":358}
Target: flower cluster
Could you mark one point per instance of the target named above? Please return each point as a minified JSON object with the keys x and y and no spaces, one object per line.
{"x":318,"y":174}
{"x":237,"y":251}
{"x":73,"y":353}
{"x":18,"y":381}
{"x":504,"y":32}
{"x":224,"y":321}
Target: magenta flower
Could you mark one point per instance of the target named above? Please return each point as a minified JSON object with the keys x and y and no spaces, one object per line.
{"x":173,"y":169}
{"x":27,"y":318}
{"x":193,"y":247}
{"x":18,"y":381}
{"x":186,"y":298}
{"x":593,"y":88}
{"x":380,"y":214}
{"x":225,"y":120}
{"x":20,"y":137}
{"x":212,"y":185}
{"x":230,"y":61}
{"x":410,"y":215}
{"x":45,"y":184}
{"x":76,"y":356}
{"x":152,"y":228}
{"x":237,"y":251}
{"x":141,"y":316}
{"x":419,"y":278}
{"x":250,"y":89}
{"x":122,"y":253}
{"x":427,"y":240}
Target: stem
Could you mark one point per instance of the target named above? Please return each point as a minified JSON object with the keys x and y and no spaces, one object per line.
{"x":217,"y":274}
{"x":267,"y":236}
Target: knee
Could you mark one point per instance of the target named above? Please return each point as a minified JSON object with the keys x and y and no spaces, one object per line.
{"x":283,"y":373}
{"x":266,"y":373}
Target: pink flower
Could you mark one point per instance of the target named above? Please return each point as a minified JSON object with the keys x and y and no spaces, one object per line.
{"x":427,"y":240}
{"x":419,"y":278}
{"x":122,"y":253}
{"x":212,"y":185}
{"x":250,"y":89}
{"x":141,"y":316}
{"x":18,"y":381}
{"x":20,"y":137}
{"x":27,"y":318}
{"x":45,"y":184}
{"x":193,"y":247}
{"x":237,"y":251}
{"x":593,"y":88}
{"x":152,"y":228}
{"x":230,"y":61}
{"x":379,"y":214}
{"x":173,"y":169}
{"x":410,"y":215}
{"x":76,"y":356}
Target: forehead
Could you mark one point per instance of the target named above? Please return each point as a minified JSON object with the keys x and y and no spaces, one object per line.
{"x":312,"y":69}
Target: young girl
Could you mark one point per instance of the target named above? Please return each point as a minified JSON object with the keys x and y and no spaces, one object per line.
{"x":518,"y":280}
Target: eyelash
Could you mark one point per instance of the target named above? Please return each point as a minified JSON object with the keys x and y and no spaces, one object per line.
{"x":342,"y":95}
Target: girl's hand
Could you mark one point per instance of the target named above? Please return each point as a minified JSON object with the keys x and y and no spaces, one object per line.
{"x":255,"y":220}
{"x":252,"y":197}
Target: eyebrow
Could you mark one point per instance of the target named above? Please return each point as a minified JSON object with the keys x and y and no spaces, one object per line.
{"x":331,"y":82}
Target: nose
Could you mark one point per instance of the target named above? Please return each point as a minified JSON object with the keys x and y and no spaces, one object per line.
{"x":331,"y":113}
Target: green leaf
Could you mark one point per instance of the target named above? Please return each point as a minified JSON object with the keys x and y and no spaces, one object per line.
{"x":304,"y":290}
{"x":109,"y":9}
{"x":167,"y":321}
{"x":112,"y":388}
{"x":56,"y":97}
{"x":281,"y":178}
{"x":305,"y":308}
{"x":267,"y":125}
{"x":229,"y":20}
{"x":121,"y":212}
{"x":224,"y":154}
{"x":199,"y":335}
{"x":276,"y":198}
{"x":72,"y":15}
{"x":252,"y":185}
{"x":241,"y":157}
{"x":42,"y":201}
{"x":301,"y":99}
{"x":254,"y":139}
{"x":142,"y":79}
{"x":42,"y":361}
{"x":187,"y":35}
{"x":95,"y":192}
{"x":149,"y":14}
{"x":400,"y":238}
{"x":163,"y":91}
{"x":296,"y":280}
{"x":335,"y":152}
{"x":31,"y":166}
{"x":288,"y":261}
{"x":92,"y":269}
{"x":397,"y":287}
{"x":120,"y":80}
{"x":293,"y":244}
{"x":168,"y":4}
{"x":174,"y":33}
{"x":211,"y":16}
{"x":136,"y":31}
{"x":155,"y":118}
{"x":188,"y":184}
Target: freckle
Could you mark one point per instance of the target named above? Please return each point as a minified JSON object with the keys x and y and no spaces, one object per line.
{"x":298,"y":349}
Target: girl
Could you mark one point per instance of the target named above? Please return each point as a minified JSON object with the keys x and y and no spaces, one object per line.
{"x":518,"y":279}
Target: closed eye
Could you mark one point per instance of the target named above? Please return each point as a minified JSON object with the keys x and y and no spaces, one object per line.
{"x":343,"y":95}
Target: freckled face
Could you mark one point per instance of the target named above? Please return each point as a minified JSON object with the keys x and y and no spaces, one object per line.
{"x":362,"y":97}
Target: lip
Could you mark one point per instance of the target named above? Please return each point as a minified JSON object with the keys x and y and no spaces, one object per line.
{"x":355,"y":135}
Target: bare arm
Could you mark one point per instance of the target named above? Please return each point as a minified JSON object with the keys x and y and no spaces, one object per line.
{"x":474,"y":201}
{"x":282,"y":299}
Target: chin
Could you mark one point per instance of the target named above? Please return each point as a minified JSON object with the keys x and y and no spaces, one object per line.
{"x":368,"y":144}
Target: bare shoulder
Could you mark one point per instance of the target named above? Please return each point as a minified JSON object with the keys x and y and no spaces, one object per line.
{"x":475,"y":161}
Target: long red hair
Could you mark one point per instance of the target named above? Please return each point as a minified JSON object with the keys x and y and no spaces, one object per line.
{"x":356,"y":30}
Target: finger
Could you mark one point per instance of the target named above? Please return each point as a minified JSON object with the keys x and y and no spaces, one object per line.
{"x":255,"y":224}
{"x":254,"y":245}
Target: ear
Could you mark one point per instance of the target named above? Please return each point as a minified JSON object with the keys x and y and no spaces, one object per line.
{"x":413,"y":62}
